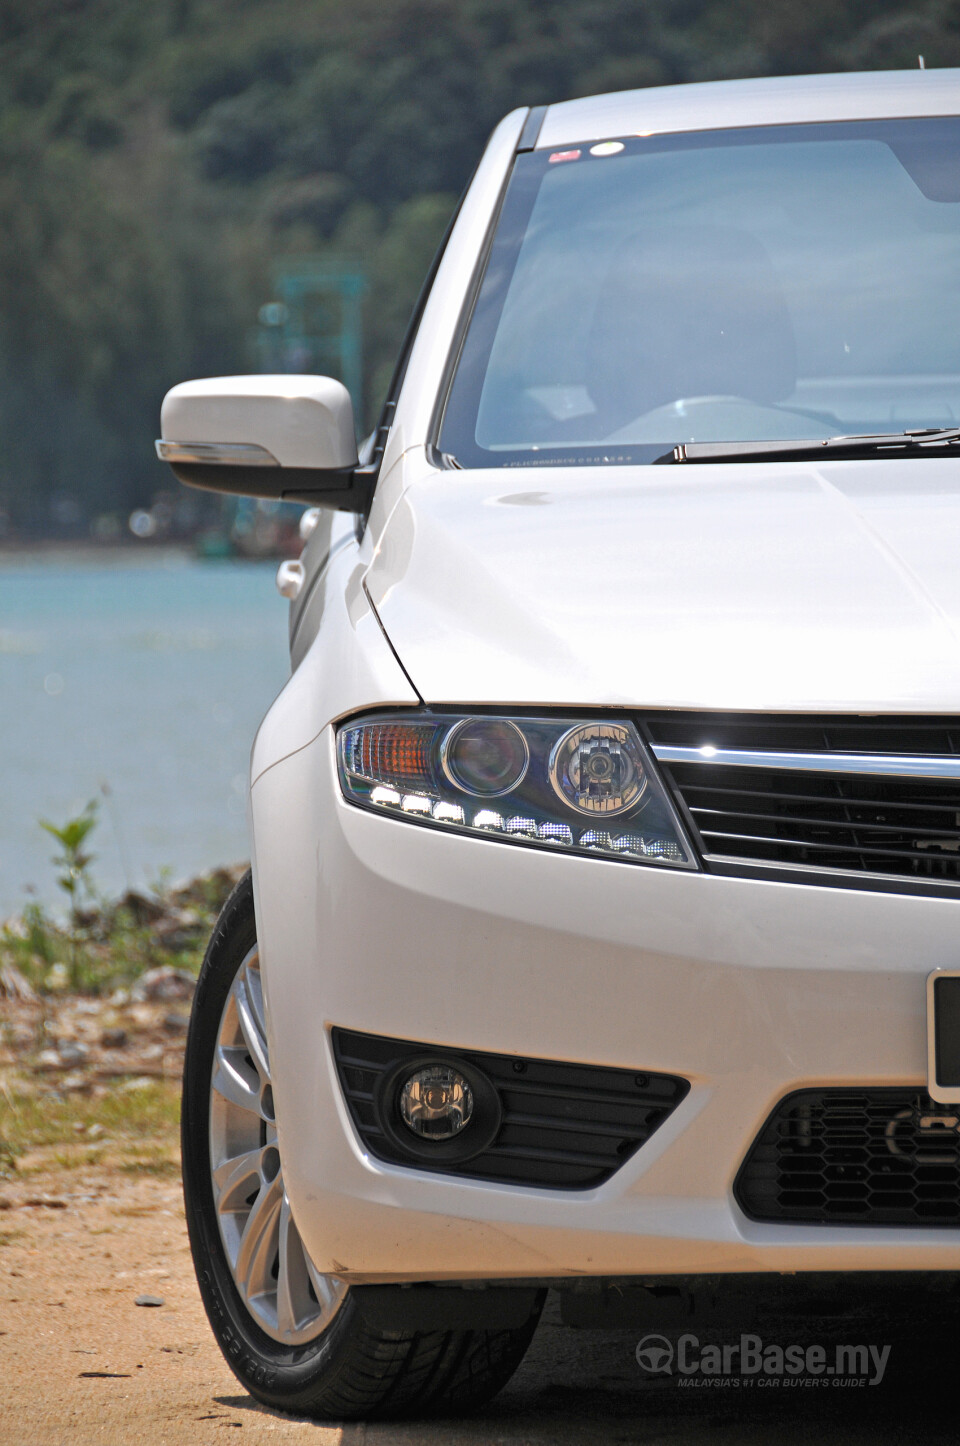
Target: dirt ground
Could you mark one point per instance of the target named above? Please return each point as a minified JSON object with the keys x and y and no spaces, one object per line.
{"x":81,"y":1362}
{"x":91,"y":1219}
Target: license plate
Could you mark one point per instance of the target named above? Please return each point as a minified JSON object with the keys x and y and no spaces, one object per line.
{"x":943,"y":1035}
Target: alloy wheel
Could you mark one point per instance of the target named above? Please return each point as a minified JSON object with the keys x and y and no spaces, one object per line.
{"x":281,"y":1288}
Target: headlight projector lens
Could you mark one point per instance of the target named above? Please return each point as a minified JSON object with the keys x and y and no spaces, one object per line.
{"x":485,"y":757}
{"x":597,"y":769}
{"x":436,"y":1103}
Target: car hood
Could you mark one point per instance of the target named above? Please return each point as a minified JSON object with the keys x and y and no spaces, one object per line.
{"x":731,"y":586}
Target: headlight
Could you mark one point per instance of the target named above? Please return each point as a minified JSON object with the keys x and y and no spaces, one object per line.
{"x":586,"y":786}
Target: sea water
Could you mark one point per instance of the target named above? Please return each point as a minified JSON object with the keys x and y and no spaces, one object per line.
{"x":138,"y":681}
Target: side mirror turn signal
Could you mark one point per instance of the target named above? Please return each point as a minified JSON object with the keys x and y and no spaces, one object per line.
{"x":288,"y":437}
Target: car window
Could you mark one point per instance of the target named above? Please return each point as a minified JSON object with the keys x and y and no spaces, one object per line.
{"x":784,"y":282}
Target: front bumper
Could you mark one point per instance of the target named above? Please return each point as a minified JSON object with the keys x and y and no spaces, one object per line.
{"x":748,"y":989}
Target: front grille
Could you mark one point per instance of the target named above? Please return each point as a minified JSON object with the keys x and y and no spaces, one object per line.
{"x":564,"y":1126}
{"x":855,"y":1156}
{"x":898,"y":827}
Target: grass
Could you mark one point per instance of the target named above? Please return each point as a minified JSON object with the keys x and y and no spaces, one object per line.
{"x":110,"y":950}
{"x":141,"y":1124}
{"x":105,"y":944}
{"x":100,"y":947}
{"x":159,"y":1168}
{"x":77,"y":1159}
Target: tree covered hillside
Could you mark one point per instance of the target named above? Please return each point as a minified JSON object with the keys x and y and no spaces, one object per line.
{"x":155,"y":159}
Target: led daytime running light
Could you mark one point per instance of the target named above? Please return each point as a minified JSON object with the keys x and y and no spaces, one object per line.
{"x":587,"y":787}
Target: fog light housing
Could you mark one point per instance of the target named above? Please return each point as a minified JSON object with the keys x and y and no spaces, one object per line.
{"x":436,"y":1103}
{"x":437,"y":1108}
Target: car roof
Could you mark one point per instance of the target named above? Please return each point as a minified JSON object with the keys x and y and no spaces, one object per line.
{"x":779,"y":100}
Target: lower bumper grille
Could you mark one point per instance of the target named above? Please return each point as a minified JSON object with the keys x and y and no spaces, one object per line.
{"x":857,"y":1157}
{"x":563,"y":1126}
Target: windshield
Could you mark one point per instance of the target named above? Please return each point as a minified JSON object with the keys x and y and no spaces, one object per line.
{"x":787,"y":282}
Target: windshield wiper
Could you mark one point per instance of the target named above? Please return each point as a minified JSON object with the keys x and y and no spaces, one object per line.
{"x":922,"y":441}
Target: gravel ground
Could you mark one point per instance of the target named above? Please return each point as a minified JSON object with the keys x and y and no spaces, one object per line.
{"x":80,"y":1045}
{"x":91,"y":1220}
{"x":81,"y":1362}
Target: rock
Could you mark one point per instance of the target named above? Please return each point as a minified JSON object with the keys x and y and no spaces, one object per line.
{"x":153,"y":1300}
{"x":178,"y":930}
{"x":113,"y":1038}
{"x":72,"y":1052}
{"x":165,"y":983}
{"x":176,"y":1023}
{"x":144,"y":909}
{"x":177,"y":939}
{"x":13,"y":985}
{"x":49,"y":1059}
{"x":212,"y":889}
{"x":58,"y":978}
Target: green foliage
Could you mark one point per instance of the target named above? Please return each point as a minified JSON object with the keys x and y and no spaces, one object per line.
{"x":155,"y":160}
{"x":110,"y":949}
{"x":74,"y":877}
{"x":72,"y":860}
{"x":109,"y":944}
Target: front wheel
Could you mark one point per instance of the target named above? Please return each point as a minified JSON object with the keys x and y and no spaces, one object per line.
{"x":295,"y":1338}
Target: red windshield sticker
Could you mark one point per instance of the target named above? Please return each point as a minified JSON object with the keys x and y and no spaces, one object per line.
{"x":564,"y":156}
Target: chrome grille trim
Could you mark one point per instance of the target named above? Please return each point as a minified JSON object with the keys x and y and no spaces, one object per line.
{"x":850,"y":801}
{"x":880,"y":765}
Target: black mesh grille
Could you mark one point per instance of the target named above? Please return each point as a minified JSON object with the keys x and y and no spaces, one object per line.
{"x":904,"y":828}
{"x":565,"y":1126}
{"x":862,"y":1157}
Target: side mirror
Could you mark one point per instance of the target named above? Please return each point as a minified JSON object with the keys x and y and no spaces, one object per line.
{"x":289,"y":438}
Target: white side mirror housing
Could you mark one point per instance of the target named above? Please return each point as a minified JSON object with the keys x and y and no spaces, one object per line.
{"x":288,"y":437}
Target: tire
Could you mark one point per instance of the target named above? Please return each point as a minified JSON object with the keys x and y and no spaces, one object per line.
{"x":294,"y":1339}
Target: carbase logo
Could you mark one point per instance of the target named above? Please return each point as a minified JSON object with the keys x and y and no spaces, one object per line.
{"x":751,"y":1361}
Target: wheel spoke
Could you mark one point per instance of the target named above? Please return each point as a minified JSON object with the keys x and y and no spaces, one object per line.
{"x":257,"y":1250}
{"x":250,"y":975}
{"x":231,"y":1078}
{"x":327,"y":1288}
{"x":287,"y":1313}
{"x":234,"y":1179}
{"x":253,"y":1033}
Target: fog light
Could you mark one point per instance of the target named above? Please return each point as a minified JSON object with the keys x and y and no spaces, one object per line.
{"x":436,"y":1103}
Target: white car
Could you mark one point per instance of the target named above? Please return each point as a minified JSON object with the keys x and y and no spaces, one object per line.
{"x":603,"y":921}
